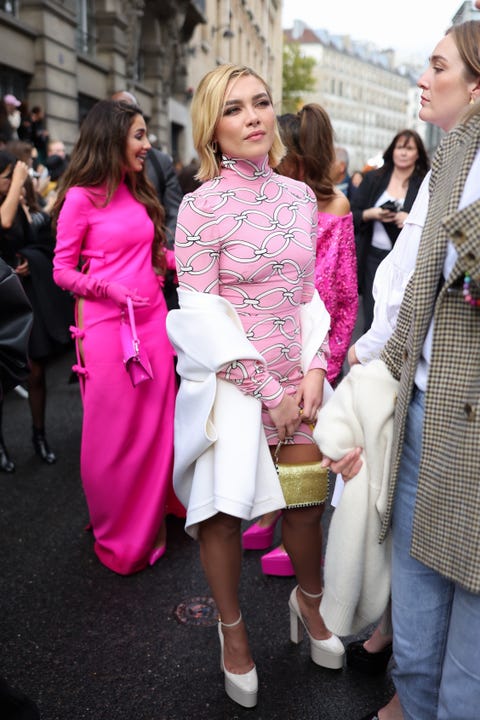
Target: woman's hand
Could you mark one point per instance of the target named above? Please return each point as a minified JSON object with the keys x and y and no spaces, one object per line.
{"x":400,"y":218}
{"x":22,"y":268}
{"x":119,"y":294}
{"x":377,"y":213}
{"x":309,"y":395}
{"x":352,"y":356}
{"x":348,"y":466}
{"x":9,"y":206}
{"x":20,"y":173}
{"x":286,"y":417}
{"x":50,"y":201}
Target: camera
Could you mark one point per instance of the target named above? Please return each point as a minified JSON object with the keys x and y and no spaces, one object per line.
{"x":391,"y":206}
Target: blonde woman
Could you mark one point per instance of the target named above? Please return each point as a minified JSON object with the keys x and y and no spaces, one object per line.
{"x":253,"y":329}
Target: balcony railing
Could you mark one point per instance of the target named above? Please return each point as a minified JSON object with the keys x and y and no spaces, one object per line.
{"x":85,"y":42}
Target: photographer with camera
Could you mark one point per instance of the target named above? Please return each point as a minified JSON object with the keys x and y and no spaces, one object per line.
{"x":381,"y":205}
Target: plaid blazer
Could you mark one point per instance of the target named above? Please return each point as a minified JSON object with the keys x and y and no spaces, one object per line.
{"x":446,"y":530}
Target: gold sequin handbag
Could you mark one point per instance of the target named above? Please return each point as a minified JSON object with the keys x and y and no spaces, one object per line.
{"x":303,"y":484}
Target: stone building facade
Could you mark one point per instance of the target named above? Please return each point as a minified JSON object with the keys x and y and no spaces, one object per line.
{"x":364,"y":94}
{"x":247,"y":32}
{"x":64,"y":55}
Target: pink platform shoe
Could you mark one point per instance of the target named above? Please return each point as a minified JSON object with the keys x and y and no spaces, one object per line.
{"x":259,"y":538}
{"x":277,"y":562}
{"x":156,"y":554}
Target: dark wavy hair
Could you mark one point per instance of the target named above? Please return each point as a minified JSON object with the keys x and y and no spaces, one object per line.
{"x":7,"y":158}
{"x":21,"y":149}
{"x":98,"y":161}
{"x":309,"y":139}
{"x":422,"y":164}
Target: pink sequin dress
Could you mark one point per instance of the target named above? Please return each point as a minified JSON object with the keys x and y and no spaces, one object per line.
{"x":127,"y":433}
{"x":336,"y":282}
{"x":249,"y":236}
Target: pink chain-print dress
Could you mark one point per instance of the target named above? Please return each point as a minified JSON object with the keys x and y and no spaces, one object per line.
{"x":249,"y":235}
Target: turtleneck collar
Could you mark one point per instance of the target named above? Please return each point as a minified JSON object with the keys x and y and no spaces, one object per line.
{"x":255,"y":169}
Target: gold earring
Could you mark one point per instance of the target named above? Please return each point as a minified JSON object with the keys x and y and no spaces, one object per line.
{"x":472,"y":99}
{"x":214,"y":147}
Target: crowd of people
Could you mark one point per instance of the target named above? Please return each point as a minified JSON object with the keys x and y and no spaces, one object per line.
{"x":236,"y":283}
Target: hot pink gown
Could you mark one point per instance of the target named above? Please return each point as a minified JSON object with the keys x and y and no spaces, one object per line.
{"x":127,"y":433}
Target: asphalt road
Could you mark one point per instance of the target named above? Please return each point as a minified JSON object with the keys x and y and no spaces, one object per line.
{"x":86,"y":643}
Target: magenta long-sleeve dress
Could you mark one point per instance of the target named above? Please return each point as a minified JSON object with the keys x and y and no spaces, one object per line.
{"x":336,"y":282}
{"x":127,"y":433}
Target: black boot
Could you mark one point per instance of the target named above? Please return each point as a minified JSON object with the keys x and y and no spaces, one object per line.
{"x":40,"y":446}
{"x":6,"y":465}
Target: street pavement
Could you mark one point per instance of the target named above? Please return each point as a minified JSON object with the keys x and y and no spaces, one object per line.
{"x":86,"y":643}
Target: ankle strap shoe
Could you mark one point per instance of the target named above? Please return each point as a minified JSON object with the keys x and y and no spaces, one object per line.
{"x":242,"y":689}
{"x":327,"y":653}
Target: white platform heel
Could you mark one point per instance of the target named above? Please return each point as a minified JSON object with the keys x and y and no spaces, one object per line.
{"x":327,"y":653}
{"x":242,"y":689}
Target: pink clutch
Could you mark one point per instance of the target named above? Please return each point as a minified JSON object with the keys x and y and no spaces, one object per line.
{"x":136,"y":361}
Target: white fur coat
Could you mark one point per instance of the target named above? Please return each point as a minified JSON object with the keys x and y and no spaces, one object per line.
{"x":357,"y":566}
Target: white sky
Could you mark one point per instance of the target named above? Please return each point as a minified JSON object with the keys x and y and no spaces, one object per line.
{"x":411,"y":27}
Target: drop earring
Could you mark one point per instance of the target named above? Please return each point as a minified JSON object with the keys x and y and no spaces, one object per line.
{"x":214,"y":147}
{"x":472,"y":99}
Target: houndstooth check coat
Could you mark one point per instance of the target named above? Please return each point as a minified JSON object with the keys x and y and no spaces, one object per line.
{"x":446,"y":531}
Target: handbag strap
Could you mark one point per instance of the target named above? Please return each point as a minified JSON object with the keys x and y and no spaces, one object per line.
{"x":277,"y":452}
{"x":131,"y":317}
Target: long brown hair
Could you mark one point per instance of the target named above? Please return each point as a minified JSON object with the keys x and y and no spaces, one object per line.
{"x":466,"y":36}
{"x":98,"y":162}
{"x":308,"y":137}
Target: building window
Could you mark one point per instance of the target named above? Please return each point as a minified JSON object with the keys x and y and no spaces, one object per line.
{"x":85,"y":104}
{"x":13,"y":81}
{"x":86,"y":26}
{"x":9,"y":6}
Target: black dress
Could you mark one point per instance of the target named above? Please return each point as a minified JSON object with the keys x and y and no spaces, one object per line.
{"x":369,"y":258}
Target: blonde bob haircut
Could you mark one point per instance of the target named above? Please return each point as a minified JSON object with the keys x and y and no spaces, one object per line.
{"x":206,"y":111}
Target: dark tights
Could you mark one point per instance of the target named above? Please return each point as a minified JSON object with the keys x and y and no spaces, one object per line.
{"x":37,"y":396}
{"x":37,"y":393}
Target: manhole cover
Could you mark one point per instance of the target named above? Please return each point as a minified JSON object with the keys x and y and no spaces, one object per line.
{"x":197,"y":611}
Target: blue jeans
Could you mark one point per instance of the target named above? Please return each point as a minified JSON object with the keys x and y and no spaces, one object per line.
{"x":436,"y":623}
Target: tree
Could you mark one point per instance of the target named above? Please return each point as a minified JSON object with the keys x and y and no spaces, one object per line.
{"x":298,"y":77}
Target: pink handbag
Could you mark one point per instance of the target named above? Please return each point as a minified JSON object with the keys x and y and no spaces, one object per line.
{"x":136,"y":361}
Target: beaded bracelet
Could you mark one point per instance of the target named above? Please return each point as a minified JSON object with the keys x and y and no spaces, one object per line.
{"x":467,"y":295}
